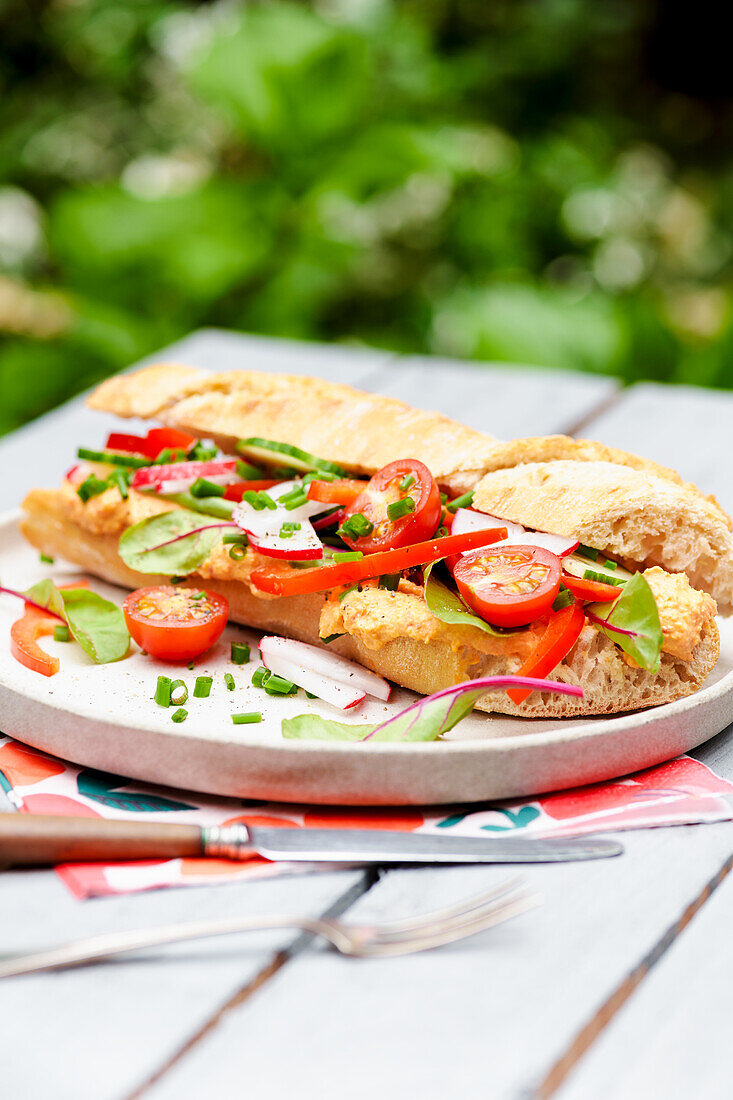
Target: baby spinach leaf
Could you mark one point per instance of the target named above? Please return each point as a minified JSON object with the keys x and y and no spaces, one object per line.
{"x":632,"y":622}
{"x":170,"y":543}
{"x":97,"y":625}
{"x":46,"y":594}
{"x":450,"y":608}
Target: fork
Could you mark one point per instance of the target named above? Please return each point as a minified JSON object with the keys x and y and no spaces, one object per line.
{"x":456,"y":922}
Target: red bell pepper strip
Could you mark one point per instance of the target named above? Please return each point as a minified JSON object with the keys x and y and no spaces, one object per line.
{"x":236,"y":492}
{"x":133,"y":444}
{"x":373,"y":565}
{"x":595,"y":591}
{"x":150,"y":445}
{"x":32,"y":625}
{"x":336,"y":492}
{"x":563,"y":631}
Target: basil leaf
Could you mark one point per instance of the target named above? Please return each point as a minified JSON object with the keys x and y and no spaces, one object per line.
{"x":47,"y":595}
{"x":450,"y":608}
{"x":97,"y":625}
{"x":632,"y":622}
{"x":170,"y":543}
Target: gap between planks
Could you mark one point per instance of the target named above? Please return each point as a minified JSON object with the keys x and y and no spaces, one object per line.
{"x":279,"y":960}
{"x":584,"y":1039}
{"x":603,"y":406}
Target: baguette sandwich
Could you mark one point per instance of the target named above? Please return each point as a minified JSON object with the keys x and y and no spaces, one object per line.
{"x":546,"y":557}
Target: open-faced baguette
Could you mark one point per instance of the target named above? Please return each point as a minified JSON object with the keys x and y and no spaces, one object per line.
{"x":426,"y":660}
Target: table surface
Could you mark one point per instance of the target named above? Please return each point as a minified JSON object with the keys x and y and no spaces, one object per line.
{"x":616,"y":989}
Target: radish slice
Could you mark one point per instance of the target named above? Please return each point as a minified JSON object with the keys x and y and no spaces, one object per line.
{"x":326,"y":664}
{"x":331,"y":691}
{"x":174,"y":477}
{"x":302,"y":545}
{"x":468,"y":520}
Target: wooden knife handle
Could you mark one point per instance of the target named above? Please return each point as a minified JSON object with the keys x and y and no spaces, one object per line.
{"x":39,"y":839}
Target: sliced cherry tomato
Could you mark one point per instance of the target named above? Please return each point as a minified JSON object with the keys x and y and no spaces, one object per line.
{"x":563,"y":631}
{"x":32,"y":625}
{"x":373,"y":565}
{"x":595,"y":591}
{"x":343,"y":491}
{"x":237,"y":491}
{"x":402,"y":480}
{"x":175,"y":624}
{"x":509,"y":585}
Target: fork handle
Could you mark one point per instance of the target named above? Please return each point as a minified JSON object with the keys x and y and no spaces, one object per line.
{"x":27,"y":839}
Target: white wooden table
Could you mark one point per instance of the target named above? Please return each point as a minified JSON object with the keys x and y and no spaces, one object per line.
{"x":617,"y":989}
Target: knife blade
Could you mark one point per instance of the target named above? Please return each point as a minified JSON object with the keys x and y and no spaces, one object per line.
{"x":377,"y":846}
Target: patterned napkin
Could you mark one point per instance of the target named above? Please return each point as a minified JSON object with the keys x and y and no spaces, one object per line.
{"x":680,"y":792}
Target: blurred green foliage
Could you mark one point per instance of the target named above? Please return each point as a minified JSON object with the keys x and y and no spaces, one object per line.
{"x":497,"y":180}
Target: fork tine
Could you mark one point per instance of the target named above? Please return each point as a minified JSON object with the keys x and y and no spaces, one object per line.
{"x":492,"y":916}
{"x":458,"y":909}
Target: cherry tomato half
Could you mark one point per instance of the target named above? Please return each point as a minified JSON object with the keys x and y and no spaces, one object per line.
{"x":508,"y":585}
{"x":175,"y":624}
{"x":402,"y":480}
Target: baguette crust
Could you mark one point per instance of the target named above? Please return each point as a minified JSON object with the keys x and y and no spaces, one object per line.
{"x":626,"y":513}
{"x":447,"y":657}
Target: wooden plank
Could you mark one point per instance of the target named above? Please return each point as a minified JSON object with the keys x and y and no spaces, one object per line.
{"x":671,"y":1039}
{"x":688,"y":428}
{"x":39,"y":451}
{"x":99,"y":1033}
{"x":500,"y":400}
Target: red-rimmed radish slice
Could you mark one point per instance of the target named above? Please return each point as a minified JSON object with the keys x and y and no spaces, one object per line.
{"x":175,"y":477}
{"x":326,"y":664}
{"x":328,"y":520}
{"x":302,"y":545}
{"x":517,"y":535}
{"x":324,"y":687}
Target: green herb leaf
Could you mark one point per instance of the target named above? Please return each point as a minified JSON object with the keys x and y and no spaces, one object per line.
{"x":97,"y":625}
{"x":147,"y":547}
{"x":450,"y":608}
{"x":632,"y":622}
{"x":47,"y":595}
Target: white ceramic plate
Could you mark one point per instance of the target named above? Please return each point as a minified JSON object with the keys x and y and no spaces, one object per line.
{"x":104,"y":716}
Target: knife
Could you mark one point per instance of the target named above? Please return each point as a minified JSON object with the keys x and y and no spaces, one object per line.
{"x":27,"y":839}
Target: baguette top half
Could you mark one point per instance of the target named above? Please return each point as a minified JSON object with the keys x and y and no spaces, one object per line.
{"x":625,"y":505}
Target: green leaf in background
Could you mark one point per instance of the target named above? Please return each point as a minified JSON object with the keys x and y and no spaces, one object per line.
{"x":98,"y":625}
{"x":635,"y":617}
{"x":146,"y":546}
{"x":450,"y":608}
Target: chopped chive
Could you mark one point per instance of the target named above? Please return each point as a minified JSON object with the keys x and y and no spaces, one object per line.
{"x":179,"y":693}
{"x":443,"y":498}
{"x":237,"y":552}
{"x":45,"y":559}
{"x":399,"y":508}
{"x":406,"y":482}
{"x":180,"y":715}
{"x":200,"y":453}
{"x":247,"y":719}
{"x":229,"y":681}
{"x":240,"y":653}
{"x":610,"y":564}
{"x":163,"y":691}
{"x":294,"y":501}
{"x":203,"y":488}
{"x":461,"y":502}
{"x":61,"y":634}
{"x":202,"y":687}
{"x":267,"y":500}
{"x":330,"y":638}
{"x":390,"y":581}
{"x":251,"y":496}
{"x":303,"y":564}
{"x":177,"y":580}
{"x":356,"y":526}
{"x":319,"y":475}
{"x":92,"y":487}
{"x":197,"y":596}
{"x":120,"y":481}
{"x":278,"y":685}
{"x":111,"y":458}
{"x":587,"y":552}
{"x":260,"y":676}
{"x":351,"y":555}
{"x":288,"y":530}
{"x":247,"y":472}
{"x":310,"y":695}
{"x":349,"y":588}
{"x":563,"y":599}
{"x":236,"y":540}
